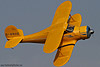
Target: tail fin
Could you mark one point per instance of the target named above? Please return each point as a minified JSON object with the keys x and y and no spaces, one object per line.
{"x":13,"y":35}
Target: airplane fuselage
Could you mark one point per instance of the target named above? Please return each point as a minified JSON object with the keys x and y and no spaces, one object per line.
{"x":40,"y":37}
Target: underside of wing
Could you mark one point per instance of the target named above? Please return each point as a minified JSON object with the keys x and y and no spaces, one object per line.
{"x":59,"y":24}
{"x":64,"y":53}
{"x":75,"y":20}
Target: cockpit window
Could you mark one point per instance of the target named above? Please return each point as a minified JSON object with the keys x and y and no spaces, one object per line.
{"x":69,"y":29}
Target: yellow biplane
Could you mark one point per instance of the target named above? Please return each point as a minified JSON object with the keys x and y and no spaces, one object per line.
{"x":62,"y":35}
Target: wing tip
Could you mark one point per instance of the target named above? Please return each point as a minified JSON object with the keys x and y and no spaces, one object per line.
{"x":47,"y":50}
{"x":79,"y":16}
{"x":69,"y":3}
{"x":59,"y":62}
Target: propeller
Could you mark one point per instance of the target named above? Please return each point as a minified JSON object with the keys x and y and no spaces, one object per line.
{"x":89,"y":31}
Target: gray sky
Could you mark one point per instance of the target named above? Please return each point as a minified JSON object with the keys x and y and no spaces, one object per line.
{"x":35,"y":15}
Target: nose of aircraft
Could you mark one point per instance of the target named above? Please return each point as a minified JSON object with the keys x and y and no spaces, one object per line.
{"x":91,"y":31}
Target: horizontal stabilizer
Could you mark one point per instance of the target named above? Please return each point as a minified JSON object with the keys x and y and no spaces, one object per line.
{"x":13,"y":42}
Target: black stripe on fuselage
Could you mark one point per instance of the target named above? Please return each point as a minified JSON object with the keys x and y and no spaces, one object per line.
{"x":65,"y":45}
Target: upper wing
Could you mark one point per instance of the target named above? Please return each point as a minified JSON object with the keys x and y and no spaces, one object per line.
{"x":64,"y":53}
{"x":53,"y":39}
{"x":62,"y":11}
{"x":60,"y":24}
{"x":75,"y":20}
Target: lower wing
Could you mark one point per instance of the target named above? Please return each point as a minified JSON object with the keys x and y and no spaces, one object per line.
{"x":64,"y":53}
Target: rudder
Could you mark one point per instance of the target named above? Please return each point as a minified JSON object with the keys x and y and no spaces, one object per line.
{"x":11,"y":31}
